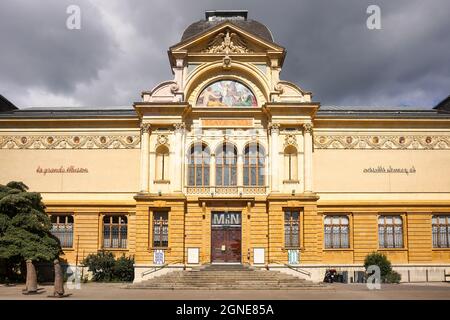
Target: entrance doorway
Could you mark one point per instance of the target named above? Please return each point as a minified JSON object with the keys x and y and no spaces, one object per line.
{"x":226,"y":237}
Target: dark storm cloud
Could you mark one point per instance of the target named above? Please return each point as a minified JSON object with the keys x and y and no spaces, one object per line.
{"x":121,"y":49}
{"x":38,"y":51}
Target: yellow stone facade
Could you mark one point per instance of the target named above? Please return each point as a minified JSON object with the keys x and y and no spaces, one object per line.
{"x":101,"y":164}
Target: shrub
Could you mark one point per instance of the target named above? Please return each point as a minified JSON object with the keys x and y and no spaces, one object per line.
{"x":380,"y":260}
{"x":124,"y":269}
{"x":101,"y":265}
{"x":392,"y":277}
{"x":387,"y":274}
{"x":105,"y":267}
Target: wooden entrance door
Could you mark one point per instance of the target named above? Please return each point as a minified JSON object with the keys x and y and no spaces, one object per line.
{"x":226,"y":240}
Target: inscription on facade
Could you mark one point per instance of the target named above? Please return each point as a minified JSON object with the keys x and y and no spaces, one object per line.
{"x":227,"y":123}
{"x":226,"y":219}
{"x":61,"y":169}
{"x":389,"y":169}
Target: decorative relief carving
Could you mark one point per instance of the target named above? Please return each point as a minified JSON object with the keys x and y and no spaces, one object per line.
{"x":382,"y":142}
{"x":308,"y":127}
{"x":146,"y":128}
{"x":226,"y":42}
{"x":279,"y":88}
{"x":179,"y":127}
{"x":226,"y":63}
{"x":290,"y":140}
{"x":174,"y":88}
{"x":274,"y":128}
{"x":70,"y":142}
{"x":162,"y":139}
{"x":254,"y":190}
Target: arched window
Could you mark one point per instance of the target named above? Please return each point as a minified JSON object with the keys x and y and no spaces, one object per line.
{"x":198,"y":168}
{"x":226,"y":165}
{"x":162,"y":163}
{"x":290,"y":163}
{"x":254,"y":160}
{"x":390,"y":232}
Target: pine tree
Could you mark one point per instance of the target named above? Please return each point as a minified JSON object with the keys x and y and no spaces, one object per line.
{"x":25,"y":228}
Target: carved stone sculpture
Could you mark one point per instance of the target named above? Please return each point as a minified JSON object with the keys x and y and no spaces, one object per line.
{"x":31,"y":281}
{"x":227,"y":42}
{"x":59,"y":281}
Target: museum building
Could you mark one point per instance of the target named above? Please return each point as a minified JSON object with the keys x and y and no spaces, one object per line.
{"x":227,"y":163}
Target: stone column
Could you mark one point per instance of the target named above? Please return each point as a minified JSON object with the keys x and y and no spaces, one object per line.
{"x":212,"y":172}
{"x":145,"y":157}
{"x":179,"y":160}
{"x":240,"y":172}
{"x":274,"y":165}
{"x":308,"y":145}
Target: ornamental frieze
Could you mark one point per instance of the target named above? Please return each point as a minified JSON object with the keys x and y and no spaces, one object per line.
{"x":416,"y":142}
{"x":70,"y":142}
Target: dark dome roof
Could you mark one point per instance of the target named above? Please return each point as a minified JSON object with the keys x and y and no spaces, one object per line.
{"x":249,"y":25}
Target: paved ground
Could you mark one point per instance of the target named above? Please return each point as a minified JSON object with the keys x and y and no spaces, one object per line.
{"x":96,"y":291}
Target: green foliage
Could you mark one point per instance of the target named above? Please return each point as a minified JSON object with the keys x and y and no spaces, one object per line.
{"x":124,"y":269}
{"x":24,"y":227}
{"x":387,"y":274}
{"x":101,"y":265}
{"x":106,"y":268}
{"x":392,"y":277}
{"x":380,"y":260}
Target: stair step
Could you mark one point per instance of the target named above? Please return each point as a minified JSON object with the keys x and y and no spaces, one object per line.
{"x":225,"y":277}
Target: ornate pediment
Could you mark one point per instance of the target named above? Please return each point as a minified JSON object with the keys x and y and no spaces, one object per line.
{"x":227,"y":42}
{"x":226,"y":38}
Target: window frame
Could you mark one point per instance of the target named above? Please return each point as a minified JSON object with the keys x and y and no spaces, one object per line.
{"x":340,"y":225}
{"x":66,"y":216}
{"x":393,"y":225}
{"x":205,"y":165}
{"x":110,"y":225}
{"x":227,"y":164}
{"x":446,"y":225}
{"x":258,"y":165}
{"x":152,"y":226}
{"x":291,"y":153}
{"x":300,"y":228}
{"x":162,"y":153}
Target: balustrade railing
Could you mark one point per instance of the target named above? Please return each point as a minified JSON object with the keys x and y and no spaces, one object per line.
{"x":226,"y":190}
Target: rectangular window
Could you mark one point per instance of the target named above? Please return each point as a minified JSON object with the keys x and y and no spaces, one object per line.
{"x":390,"y":232}
{"x":115,"y":232}
{"x":336,"y":232}
{"x":292,"y":228}
{"x":62,"y":228}
{"x":441,"y":231}
{"x":161,"y":229}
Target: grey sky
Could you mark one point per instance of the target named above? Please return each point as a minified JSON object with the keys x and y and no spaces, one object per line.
{"x":121,"y":49}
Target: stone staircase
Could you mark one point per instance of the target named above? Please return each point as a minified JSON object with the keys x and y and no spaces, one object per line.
{"x":226,"y":277}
